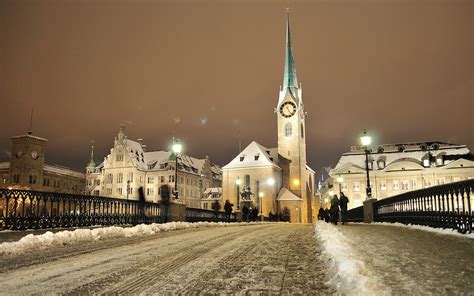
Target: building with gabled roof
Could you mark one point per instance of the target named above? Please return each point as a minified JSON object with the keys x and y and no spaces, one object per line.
{"x":130,"y":166}
{"x":277,"y":180}
{"x":402,"y":167}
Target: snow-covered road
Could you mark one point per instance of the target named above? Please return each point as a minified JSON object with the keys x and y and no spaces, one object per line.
{"x":271,"y":258}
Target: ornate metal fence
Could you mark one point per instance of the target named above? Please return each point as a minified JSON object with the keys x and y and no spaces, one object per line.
{"x":21,"y":209}
{"x":193,"y":215}
{"x":444,"y":206}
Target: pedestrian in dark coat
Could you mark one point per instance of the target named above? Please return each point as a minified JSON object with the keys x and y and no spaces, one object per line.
{"x":245,"y":213}
{"x":343,"y":202}
{"x":321,"y":214}
{"x":335,"y":209}
{"x":254,"y":214}
{"x":228,"y":210}
{"x":327,"y":215}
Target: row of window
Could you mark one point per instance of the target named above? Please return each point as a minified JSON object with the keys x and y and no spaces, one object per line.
{"x":401,"y":184}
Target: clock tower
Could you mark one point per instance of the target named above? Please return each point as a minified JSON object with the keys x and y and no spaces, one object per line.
{"x":291,"y":123}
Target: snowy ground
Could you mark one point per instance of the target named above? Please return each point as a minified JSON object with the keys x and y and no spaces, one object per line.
{"x":380,"y":259}
{"x":255,"y":259}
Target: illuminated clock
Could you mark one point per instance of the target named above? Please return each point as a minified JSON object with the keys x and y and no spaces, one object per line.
{"x":34,"y":155}
{"x":288,"y":109}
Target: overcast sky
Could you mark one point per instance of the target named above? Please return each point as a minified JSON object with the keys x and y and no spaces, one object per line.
{"x":202,"y":70}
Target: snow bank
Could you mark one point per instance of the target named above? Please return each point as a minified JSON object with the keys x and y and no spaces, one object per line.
{"x":348,"y":273}
{"x":67,"y":237}
{"x":430,"y":229}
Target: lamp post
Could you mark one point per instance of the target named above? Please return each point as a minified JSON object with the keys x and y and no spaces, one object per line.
{"x":366,"y":140}
{"x":340,"y":180}
{"x":128,"y":187}
{"x":260,"y":199}
{"x":177,"y":147}
{"x":238,"y":182}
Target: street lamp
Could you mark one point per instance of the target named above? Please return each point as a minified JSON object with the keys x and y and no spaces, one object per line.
{"x":340,"y":180}
{"x":177,"y":147}
{"x":366,"y":140}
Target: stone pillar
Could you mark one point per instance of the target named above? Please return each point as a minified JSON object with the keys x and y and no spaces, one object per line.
{"x":369,"y":210}
{"x":176,"y":212}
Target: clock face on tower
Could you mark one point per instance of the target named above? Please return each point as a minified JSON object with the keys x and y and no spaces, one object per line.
{"x":34,"y":155}
{"x":288,"y":109}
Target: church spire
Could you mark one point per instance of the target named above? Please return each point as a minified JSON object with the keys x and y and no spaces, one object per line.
{"x":91,"y":162}
{"x":289,"y":75}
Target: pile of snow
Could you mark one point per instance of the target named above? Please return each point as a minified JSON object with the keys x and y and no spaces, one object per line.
{"x":430,"y":229}
{"x":347,"y":273}
{"x":67,"y":237}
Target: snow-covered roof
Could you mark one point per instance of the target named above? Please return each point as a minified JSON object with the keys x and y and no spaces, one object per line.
{"x":4,"y":165}
{"x":310,"y":169}
{"x":63,"y":171}
{"x":154,"y":160}
{"x":254,"y":155}
{"x":213,"y":190}
{"x":393,"y":153}
{"x":286,"y":194}
{"x":29,"y":136}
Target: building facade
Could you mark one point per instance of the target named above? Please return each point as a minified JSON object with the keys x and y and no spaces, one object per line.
{"x":277,"y":180}
{"x":130,"y":166}
{"x":398,"y":168}
{"x":27,"y":169}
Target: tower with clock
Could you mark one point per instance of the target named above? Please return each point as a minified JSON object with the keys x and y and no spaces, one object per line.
{"x":291,"y":123}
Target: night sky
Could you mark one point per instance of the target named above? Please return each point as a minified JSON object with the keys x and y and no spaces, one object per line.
{"x":202,"y":70}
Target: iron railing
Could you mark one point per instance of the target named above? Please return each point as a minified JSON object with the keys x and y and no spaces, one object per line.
{"x":193,"y":215}
{"x":23,"y":209}
{"x":443,"y":206}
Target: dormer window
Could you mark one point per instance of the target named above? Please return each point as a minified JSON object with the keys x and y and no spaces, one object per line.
{"x":439,"y":160}
{"x":242,"y":158}
{"x":426,"y":162}
{"x":381,"y":164}
{"x":257,"y":156}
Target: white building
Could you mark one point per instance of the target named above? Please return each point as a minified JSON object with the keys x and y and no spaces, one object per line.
{"x":277,"y":180}
{"x":398,"y":168}
{"x":129,"y":166}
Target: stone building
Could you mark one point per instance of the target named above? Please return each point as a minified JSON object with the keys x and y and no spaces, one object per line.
{"x":398,"y":168}
{"x":27,"y":169}
{"x":277,"y":180}
{"x":130,"y":166}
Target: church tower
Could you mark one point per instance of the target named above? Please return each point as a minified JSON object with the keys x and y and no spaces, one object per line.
{"x":291,"y":122}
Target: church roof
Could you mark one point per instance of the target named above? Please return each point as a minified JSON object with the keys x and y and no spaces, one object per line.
{"x":254,"y":155}
{"x":286,"y":194}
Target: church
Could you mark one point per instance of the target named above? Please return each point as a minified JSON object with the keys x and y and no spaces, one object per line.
{"x":276,"y":180}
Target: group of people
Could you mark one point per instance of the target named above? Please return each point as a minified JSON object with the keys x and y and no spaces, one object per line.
{"x":249,"y":214}
{"x":331,"y":214}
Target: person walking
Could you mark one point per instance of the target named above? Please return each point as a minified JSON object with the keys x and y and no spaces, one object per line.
{"x":343,"y":202}
{"x":335,"y":209}
{"x":228,"y":210}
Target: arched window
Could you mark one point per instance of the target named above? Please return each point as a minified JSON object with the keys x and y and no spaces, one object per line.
{"x":288,"y":130}
{"x":247,"y":180}
{"x":302,"y":131}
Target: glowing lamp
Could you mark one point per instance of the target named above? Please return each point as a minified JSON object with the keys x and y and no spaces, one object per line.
{"x":296,"y":182}
{"x":271,"y":181}
{"x":238,"y":182}
{"x":177,"y":147}
{"x":260,"y":194}
{"x":365,"y":139}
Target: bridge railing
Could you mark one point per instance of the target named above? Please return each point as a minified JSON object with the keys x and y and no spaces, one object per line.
{"x":24,"y":209}
{"x":193,"y":215}
{"x":443,"y":206}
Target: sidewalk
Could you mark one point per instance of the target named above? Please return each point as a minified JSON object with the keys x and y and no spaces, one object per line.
{"x":410,"y":261}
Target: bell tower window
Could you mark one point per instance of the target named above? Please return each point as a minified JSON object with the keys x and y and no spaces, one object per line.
{"x":288,"y":130}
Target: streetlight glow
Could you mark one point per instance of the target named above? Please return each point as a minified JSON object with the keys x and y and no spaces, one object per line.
{"x":365,"y":139}
{"x":340,"y":179}
{"x":238,"y":182}
{"x":260,"y":194}
{"x":271,"y":181}
{"x":331,"y":193}
{"x":296,"y":182}
{"x":177,"y":147}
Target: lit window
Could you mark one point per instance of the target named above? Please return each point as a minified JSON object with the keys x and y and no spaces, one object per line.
{"x":426,"y":162}
{"x":151,"y":180}
{"x":381,"y":164}
{"x":120,"y":178}
{"x":405,"y":185}
{"x":383,"y":185}
{"x":413,"y":184}
{"x":396,"y":185}
{"x":356,"y":186}
{"x":288,"y":130}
